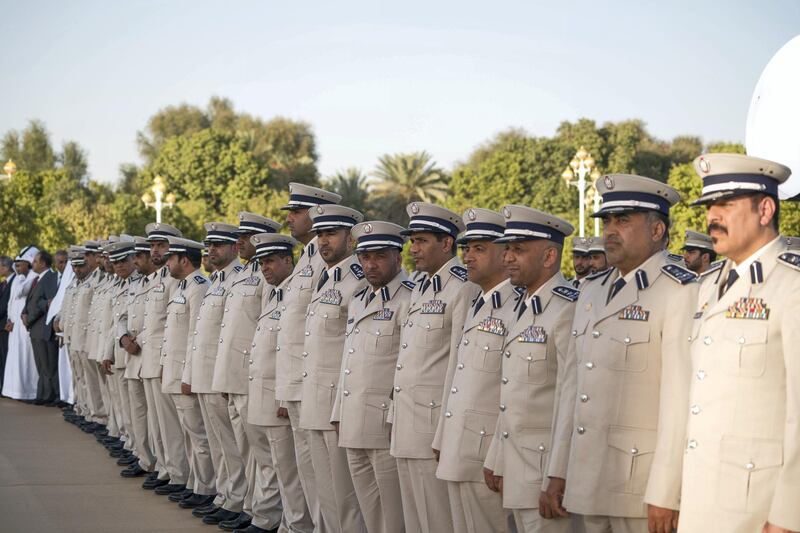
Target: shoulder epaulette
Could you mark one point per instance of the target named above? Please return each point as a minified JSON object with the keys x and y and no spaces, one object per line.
{"x":674,"y":257}
{"x":408,"y":284}
{"x":357,"y":271}
{"x":520,"y":290}
{"x":238,"y":268}
{"x":790,"y":259}
{"x":713,"y":267}
{"x":568,"y":293}
{"x":200,"y":279}
{"x":679,"y":274}
{"x":164,"y":271}
{"x":598,"y":274}
{"x":459,"y":272}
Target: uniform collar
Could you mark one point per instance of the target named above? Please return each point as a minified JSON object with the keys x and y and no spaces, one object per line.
{"x":487,"y":296}
{"x":743,"y":269}
{"x":225,"y":273}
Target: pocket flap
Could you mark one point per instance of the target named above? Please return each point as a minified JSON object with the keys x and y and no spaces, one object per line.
{"x":633,"y":441}
{"x":327,"y":379}
{"x":328,"y":311}
{"x":481,"y":423}
{"x":430,"y":321}
{"x":533,"y":352}
{"x":428,"y":395}
{"x":751,"y":454}
{"x":377,"y":399}
{"x":748,"y":332}
{"x":633,"y":333}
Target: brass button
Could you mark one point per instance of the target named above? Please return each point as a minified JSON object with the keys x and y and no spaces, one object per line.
{"x":581,"y":430}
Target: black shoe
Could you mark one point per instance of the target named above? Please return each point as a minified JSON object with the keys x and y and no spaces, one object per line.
{"x":91,"y":427}
{"x":119,"y":454}
{"x":39,"y":402}
{"x":108,"y":441}
{"x":240,"y":522}
{"x":204,"y":510}
{"x":221,"y":515}
{"x":133,"y":470}
{"x":178,"y":496}
{"x":255,"y":529}
{"x":154,"y":484}
{"x":152,"y":476}
{"x":169,"y":488}
{"x":196,"y":501}
{"x":127,"y":460}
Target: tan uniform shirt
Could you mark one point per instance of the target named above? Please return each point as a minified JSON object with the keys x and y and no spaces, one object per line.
{"x":155,"y":315}
{"x":83,"y":303}
{"x":326,"y":321}
{"x":240,"y":313}
{"x":65,"y":315}
{"x":135,"y":322}
{"x":742,"y":462}
{"x":103,"y":319}
{"x":181,"y":320}
{"x":291,"y":337}
{"x":629,"y":353}
{"x":472,"y":389}
{"x":372,"y":342}
{"x":206,"y":339}
{"x":121,"y":298}
{"x":426,"y":342}
{"x":535,"y":352}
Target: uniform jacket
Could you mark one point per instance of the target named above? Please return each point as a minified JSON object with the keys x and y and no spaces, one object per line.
{"x":426,"y":341}
{"x":326,"y":322}
{"x":610,"y":419}
{"x":134,"y":323}
{"x":371,"y":345}
{"x":742,"y":459}
{"x":121,"y":297}
{"x":291,"y":336}
{"x":101,"y":318}
{"x":155,"y":315}
{"x":206,"y":339}
{"x":64,"y":316}
{"x":80,"y":318}
{"x":472,"y":388}
{"x":181,"y":320}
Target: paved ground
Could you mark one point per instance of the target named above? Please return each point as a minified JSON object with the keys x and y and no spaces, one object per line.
{"x":55,"y":478}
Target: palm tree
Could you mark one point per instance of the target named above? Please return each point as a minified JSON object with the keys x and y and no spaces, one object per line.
{"x":351,"y":184}
{"x":410,"y":177}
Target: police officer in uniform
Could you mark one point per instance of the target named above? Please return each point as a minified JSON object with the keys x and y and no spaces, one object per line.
{"x":68,"y":325}
{"x":325,"y":328}
{"x":291,"y":336}
{"x":698,"y":251}
{"x":269,"y":431}
{"x":597,"y":254}
{"x":371,"y":345}
{"x":534,"y":354}
{"x":581,"y":260}
{"x":243,"y":304}
{"x":612,"y":417}
{"x":439,"y":306}
{"x":469,"y":412}
{"x":741,"y":471}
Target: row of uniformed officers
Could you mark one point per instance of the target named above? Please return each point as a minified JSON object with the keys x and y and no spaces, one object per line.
{"x":333,"y":393}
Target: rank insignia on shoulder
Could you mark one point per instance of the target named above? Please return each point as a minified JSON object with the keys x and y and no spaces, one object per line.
{"x":306,"y":272}
{"x":751,"y":308}
{"x":238,"y":268}
{"x":383,"y":314}
{"x":433,"y":307}
{"x":634,"y":312}
{"x":218,"y":291}
{"x":251,"y":281}
{"x":568,"y":293}
{"x":179,"y":300}
{"x":459,"y":272}
{"x":534,"y":334}
{"x":408,"y":284}
{"x":275,"y":315}
{"x":159,"y":288}
{"x":790,"y":259}
{"x":164,"y":271}
{"x":357,"y":271}
{"x":331,"y":296}
{"x":492,"y":325}
{"x":679,"y":274}
{"x":200,"y":279}
{"x":675,"y":257}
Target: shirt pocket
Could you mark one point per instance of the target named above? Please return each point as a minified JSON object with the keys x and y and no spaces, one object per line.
{"x":747,"y":473}
{"x":427,"y":406}
{"x":333,"y":320}
{"x":430,"y":330}
{"x":630,"y":455}
{"x":745,"y":348}
{"x":326,"y":384}
{"x":381,"y":337}
{"x":376,"y":407}
{"x":531,"y":362}
{"x":487,"y":352}
{"x":535,"y":453}
{"x":478,"y":432}
{"x":242,"y":348}
{"x":630,"y":346}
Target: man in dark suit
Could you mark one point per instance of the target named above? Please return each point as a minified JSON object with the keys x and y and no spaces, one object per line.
{"x":7,"y":275}
{"x":43,"y":340}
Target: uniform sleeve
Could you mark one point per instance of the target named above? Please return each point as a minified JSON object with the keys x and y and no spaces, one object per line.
{"x":784,"y":511}
{"x":493,"y":453}
{"x":122,"y":323}
{"x":194,"y":301}
{"x":664,"y":483}
{"x":564,"y":401}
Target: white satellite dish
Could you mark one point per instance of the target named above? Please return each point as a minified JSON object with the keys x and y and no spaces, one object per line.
{"x":773,"y":121}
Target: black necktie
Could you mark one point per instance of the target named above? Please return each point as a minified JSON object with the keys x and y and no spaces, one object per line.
{"x":426,"y":285}
{"x":522,"y":308}
{"x":732,"y":277}
{"x":478,"y":305}
{"x":323,"y":279}
{"x":370,"y":297}
{"x":616,"y":287}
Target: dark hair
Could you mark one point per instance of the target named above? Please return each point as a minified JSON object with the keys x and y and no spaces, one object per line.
{"x":776,"y":218}
{"x":658,"y":215}
{"x":441,"y":236}
{"x":712,"y":255}
{"x":60,"y":253}
{"x":285,"y":254}
{"x":6,"y":261}
{"x":195,"y":257}
{"x":46,"y":258}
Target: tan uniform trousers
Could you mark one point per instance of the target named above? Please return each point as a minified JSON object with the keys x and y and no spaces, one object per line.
{"x":377,"y":486}
{"x":530,"y":521}
{"x":167,"y":433}
{"x":608,"y":524}
{"x":426,"y":504}
{"x":477,"y":509}
{"x":142,"y":447}
{"x":80,"y":405}
{"x":337,"y":497}
{"x":196,"y":442}
{"x":231,"y":478}
{"x":302,"y":451}
{"x":263,"y":496}
{"x":108,"y":393}
{"x":91,"y":387}
{"x":274,"y":446}
{"x":118,"y":389}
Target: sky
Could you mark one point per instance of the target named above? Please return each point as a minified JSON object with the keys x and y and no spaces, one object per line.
{"x":386,"y":77}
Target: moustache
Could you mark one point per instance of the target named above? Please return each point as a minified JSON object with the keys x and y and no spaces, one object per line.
{"x":714,"y":226}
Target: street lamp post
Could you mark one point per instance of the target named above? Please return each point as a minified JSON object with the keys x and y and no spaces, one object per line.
{"x":582,"y":165}
{"x":9,"y":168}
{"x":158,"y":188}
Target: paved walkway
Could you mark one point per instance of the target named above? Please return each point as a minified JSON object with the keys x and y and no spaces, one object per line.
{"x":55,"y":478}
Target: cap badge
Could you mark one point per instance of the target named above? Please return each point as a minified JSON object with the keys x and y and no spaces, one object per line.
{"x":507,"y":212}
{"x":471,"y":214}
{"x":414,"y":209}
{"x":156,"y":226}
{"x":609,"y":182}
{"x":213,"y":226}
{"x":320,"y":210}
{"x":705,"y":166}
{"x":367,"y":228}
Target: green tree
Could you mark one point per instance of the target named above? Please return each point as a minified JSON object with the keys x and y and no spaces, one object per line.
{"x":351,"y":185}
{"x":405,"y":178}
